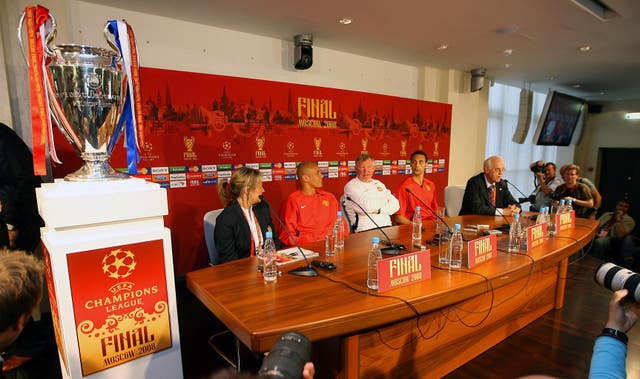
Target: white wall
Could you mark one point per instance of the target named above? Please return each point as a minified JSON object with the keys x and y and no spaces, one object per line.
{"x":178,"y":45}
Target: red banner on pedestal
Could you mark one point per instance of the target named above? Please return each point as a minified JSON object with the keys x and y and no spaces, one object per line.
{"x":120,"y":303}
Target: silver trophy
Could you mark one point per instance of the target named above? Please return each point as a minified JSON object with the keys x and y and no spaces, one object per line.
{"x":86,"y":91}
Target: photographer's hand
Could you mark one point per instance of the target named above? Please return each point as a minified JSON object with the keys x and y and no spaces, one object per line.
{"x":308,"y":371}
{"x":621,"y":316}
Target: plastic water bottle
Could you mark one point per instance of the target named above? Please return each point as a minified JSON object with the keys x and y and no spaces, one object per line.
{"x":515,"y":234}
{"x":543,"y":216}
{"x":569,"y":206}
{"x":375,"y":255}
{"x":338,"y":233}
{"x":455,"y":248}
{"x":562,"y":208}
{"x":416,"y":228}
{"x":270,"y":266}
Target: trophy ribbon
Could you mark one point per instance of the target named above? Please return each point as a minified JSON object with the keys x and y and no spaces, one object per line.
{"x":39,"y":32}
{"x":131,"y":115}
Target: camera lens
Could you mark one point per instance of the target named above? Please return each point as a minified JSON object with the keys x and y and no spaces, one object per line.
{"x":615,"y":278}
{"x":287,"y":357}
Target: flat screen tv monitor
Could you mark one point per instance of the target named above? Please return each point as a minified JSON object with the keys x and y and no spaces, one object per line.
{"x":559,"y":119}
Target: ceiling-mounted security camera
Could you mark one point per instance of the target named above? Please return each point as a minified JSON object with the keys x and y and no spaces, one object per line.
{"x":477,"y":78}
{"x":303,"y":54}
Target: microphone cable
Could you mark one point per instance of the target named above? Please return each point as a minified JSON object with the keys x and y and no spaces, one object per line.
{"x":393,"y":249}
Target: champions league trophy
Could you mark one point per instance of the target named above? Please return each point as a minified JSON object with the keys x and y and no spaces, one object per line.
{"x":86,"y":91}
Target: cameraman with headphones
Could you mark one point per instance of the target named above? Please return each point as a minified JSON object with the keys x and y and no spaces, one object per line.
{"x":545,"y":181}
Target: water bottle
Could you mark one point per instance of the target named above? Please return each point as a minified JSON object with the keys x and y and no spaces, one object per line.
{"x":270,"y":266}
{"x":416,"y":228}
{"x":338,"y":233}
{"x":542,"y":216}
{"x":569,"y":206}
{"x":375,"y":255}
{"x":455,"y":248}
{"x":562,"y":208}
{"x":514,"y":234}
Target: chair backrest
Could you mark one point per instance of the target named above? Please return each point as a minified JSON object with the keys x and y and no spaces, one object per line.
{"x":209,"y":224}
{"x":453,"y":199}
{"x":343,"y":208}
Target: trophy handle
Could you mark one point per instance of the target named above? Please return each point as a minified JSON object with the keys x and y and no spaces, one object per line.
{"x":49,"y":36}
{"x":111,"y":40}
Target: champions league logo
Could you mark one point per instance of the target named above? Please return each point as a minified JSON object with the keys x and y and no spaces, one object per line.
{"x":118,"y":264}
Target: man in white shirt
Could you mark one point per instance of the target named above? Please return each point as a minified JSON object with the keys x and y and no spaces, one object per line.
{"x":371,"y":194}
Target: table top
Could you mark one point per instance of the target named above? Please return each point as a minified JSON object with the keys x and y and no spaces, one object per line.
{"x":338,"y":302}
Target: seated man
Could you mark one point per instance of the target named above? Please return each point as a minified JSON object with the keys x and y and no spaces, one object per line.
{"x":578,"y":193}
{"x":614,"y":227}
{"x":595,"y":194}
{"x":487,"y":194}
{"x":547,"y":183}
{"x":21,"y":283}
{"x":370,"y":194}
{"x":309,"y":213}
{"x":422,"y":190}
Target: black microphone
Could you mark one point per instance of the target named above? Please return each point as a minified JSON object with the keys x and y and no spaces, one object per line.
{"x":393,"y":249}
{"x":429,"y":208}
{"x":307,"y":270}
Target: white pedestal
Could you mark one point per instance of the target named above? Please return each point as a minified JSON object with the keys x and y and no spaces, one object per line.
{"x":110,"y":279}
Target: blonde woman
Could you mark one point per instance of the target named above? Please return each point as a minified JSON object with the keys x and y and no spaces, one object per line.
{"x":243,"y":223}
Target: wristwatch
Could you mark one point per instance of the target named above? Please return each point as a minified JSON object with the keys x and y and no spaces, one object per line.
{"x":614,"y":333}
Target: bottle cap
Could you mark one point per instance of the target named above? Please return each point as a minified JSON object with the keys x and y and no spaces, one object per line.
{"x":375,"y":240}
{"x":339,"y":213}
{"x":418,"y":208}
{"x":457,"y":226}
{"x":269,"y":234}
{"x":516,"y":216}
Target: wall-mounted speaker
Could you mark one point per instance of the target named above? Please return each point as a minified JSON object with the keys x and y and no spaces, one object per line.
{"x":303,"y":53}
{"x":524,"y":116}
{"x":477,"y":79}
{"x":594,"y":108}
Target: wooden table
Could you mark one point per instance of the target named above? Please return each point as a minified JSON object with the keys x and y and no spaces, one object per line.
{"x":462,"y":313}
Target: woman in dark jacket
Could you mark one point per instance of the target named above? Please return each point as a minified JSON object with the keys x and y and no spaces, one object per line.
{"x":243,"y":223}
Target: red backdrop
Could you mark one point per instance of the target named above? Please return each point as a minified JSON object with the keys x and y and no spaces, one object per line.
{"x":198,"y":128}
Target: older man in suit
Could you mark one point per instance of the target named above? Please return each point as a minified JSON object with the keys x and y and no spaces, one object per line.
{"x":487,"y":194}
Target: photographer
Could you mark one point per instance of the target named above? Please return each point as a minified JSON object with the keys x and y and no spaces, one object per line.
{"x":610,"y":349}
{"x":546,"y":182}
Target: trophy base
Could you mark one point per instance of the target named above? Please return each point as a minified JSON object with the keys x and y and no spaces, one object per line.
{"x":95,"y":172}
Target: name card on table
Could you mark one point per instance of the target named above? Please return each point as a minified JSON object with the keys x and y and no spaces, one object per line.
{"x":403,"y":270}
{"x":565,"y":221}
{"x":536,"y":235}
{"x":481,"y":250}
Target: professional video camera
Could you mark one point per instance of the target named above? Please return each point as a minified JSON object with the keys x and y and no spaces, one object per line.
{"x":287,"y":357}
{"x":537,"y":167}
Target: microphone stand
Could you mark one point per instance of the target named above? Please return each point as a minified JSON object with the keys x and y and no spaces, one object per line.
{"x":517,"y":189}
{"x":307,"y":270}
{"x":429,"y":208}
{"x":507,"y":226}
{"x":393,"y":249}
